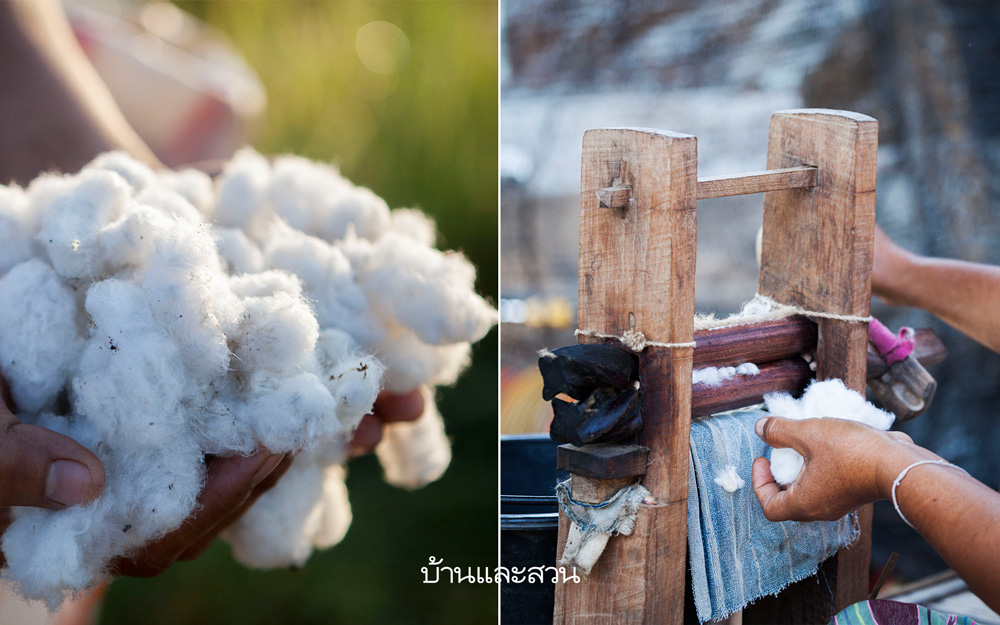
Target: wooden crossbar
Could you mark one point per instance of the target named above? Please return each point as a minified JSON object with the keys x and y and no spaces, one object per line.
{"x":757,"y":182}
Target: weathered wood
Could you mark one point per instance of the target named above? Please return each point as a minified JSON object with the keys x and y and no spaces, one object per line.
{"x":757,"y":182}
{"x":817,"y":254}
{"x":927,"y":349}
{"x":602,"y":460}
{"x":758,"y":343}
{"x":637,"y":272}
{"x":592,"y":490}
{"x":790,"y":375}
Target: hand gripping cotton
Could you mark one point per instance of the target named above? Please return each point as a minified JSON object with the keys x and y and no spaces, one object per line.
{"x":159,"y":317}
{"x":829,"y":398}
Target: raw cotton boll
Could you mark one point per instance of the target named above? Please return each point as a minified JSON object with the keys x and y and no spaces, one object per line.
{"x":38,"y":340}
{"x":277,"y":530}
{"x":288,"y":414}
{"x":357,"y":209}
{"x":830,"y":398}
{"x":415,"y":453}
{"x":43,"y":552}
{"x":134,"y":388}
{"x":240,"y":189}
{"x":43,"y":192}
{"x":352,"y":377}
{"x":313,"y":260}
{"x":215,"y":426}
{"x":195,"y":186}
{"x":429,"y":291}
{"x":783,"y":405}
{"x":328,"y":279}
{"x":182,"y":284}
{"x":415,"y":225}
{"x":137,"y":175}
{"x":155,"y":488}
{"x":314,"y":198}
{"x":127,"y":243}
{"x":132,"y":378}
{"x":410,"y":363}
{"x":266,"y":283}
{"x":70,"y":231}
{"x":15,"y":228}
{"x":241,"y":255}
{"x":277,"y":333}
{"x":827,"y":398}
{"x":170,"y":202}
{"x":335,"y":509}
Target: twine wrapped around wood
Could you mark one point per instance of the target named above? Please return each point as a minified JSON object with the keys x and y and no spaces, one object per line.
{"x":760,"y":308}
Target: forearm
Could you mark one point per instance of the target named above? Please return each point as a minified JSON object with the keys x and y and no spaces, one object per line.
{"x":957,"y":515}
{"x":55,"y":112}
{"x":962,"y":294}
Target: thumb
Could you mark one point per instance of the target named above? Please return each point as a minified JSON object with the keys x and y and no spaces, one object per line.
{"x":44,"y":469}
{"x":778,"y":432}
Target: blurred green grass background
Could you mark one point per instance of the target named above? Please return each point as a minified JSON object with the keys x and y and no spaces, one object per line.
{"x":424,"y":137}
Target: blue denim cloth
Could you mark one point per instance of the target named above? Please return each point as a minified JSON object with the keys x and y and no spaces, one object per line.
{"x":738,"y":556}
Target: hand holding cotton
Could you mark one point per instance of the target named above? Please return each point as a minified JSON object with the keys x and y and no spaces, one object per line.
{"x":829,"y":398}
{"x":152,"y":337}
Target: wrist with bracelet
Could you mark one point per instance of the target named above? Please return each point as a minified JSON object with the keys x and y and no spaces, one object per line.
{"x":902,"y":474}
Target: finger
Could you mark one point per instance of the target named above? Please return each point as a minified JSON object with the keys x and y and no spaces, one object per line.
{"x":366,"y":437}
{"x":391,"y":407}
{"x":44,"y":469}
{"x":773,"y":500}
{"x":204,"y":542}
{"x":779,"y":432}
{"x":901,"y":437}
{"x":229,"y":483}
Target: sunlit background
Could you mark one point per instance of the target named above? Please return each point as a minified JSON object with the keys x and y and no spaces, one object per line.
{"x":403,"y":96}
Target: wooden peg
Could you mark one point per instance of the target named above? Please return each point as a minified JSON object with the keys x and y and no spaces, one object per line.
{"x":619,"y":194}
{"x":615,"y":197}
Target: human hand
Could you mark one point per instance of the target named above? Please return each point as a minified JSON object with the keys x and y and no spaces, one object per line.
{"x":847,"y":464}
{"x":41,"y":468}
{"x":389,"y":408}
{"x":233,"y":484}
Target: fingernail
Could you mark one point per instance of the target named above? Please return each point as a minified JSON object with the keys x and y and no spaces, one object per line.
{"x":759,"y":427}
{"x":69,"y":483}
{"x":266,"y":468}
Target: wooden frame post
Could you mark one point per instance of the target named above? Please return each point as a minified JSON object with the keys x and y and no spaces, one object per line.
{"x":637,"y":263}
{"x":817,"y":254}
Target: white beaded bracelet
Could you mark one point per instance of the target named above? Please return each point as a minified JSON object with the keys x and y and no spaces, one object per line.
{"x":902,"y":474}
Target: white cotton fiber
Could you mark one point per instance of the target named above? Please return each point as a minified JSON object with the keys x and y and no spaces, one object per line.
{"x":829,"y":398}
{"x":729,"y":480}
{"x":427,"y":433}
{"x":39,"y":345}
{"x":715,"y":376}
{"x":161,"y":337}
{"x":295,"y":516}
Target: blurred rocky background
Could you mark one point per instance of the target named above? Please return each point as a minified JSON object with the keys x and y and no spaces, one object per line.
{"x":926,"y":69}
